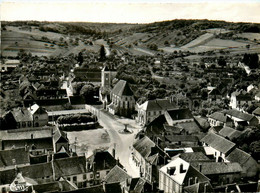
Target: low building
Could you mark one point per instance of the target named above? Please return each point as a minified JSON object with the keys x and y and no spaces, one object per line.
{"x":229,"y":133}
{"x":240,"y":99}
{"x":148,"y":156}
{"x":248,"y":164}
{"x":12,"y":157}
{"x":99,"y":165}
{"x":178,"y":116}
{"x":218,"y":119}
{"x":220,"y":146}
{"x":174,"y":141}
{"x":116,"y":174}
{"x":122,"y":97}
{"x":151,"y":109}
{"x":178,"y":174}
{"x":39,"y":115}
{"x":219,"y":173}
{"x":38,"y":140}
{"x":239,"y":117}
{"x":72,"y":169}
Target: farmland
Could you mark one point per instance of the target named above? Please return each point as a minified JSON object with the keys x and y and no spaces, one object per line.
{"x":54,"y":39}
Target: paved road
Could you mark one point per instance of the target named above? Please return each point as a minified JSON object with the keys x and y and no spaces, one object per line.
{"x":122,"y":141}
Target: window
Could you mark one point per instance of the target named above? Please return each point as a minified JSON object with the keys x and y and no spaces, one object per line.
{"x":29,"y":124}
{"x":23,"y":124}
{"x":74,"y":178}
{"x":84,"y":176}
{"x":98,"y":175}
{"x":149,"y":113}
{"x":36,"y":118}
{"x":68,"y":178}
{"x":91,"y":176}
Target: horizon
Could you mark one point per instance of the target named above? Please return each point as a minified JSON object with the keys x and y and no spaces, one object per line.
{"x":124,"y":12}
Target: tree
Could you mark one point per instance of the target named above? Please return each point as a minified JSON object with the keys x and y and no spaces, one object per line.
{"x":88,"y":92}
{"x":80,"y":58}
{"x":222,"y":62}
{"x":251,"y":60}
{"x":102,"y":53}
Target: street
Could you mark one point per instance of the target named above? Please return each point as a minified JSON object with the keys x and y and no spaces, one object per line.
{"x":123,"y":141}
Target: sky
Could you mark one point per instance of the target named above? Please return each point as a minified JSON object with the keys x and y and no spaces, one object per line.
{"x":130,"y":11}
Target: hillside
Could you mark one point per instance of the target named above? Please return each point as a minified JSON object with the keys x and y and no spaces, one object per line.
{"x":54,"y":38}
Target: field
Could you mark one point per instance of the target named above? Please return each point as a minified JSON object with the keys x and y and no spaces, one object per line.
{"x":89,"y":140}
{"x":14,"y":39}
{"x":128,"y":40}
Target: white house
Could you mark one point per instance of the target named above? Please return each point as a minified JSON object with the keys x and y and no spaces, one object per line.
{"x":151,"y":109}
{"x":178,"y":174}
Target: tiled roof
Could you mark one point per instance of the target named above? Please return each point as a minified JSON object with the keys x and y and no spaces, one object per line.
{"x":189,"y":171}
{"x":137,"y":184}
{"x":36,"y":108}
{"x":122,"y":88}
{"x":116,"y":174}
{"x":92,"y":189}
{"x":229,"y":132}
{"x":172,"y":129}
{"x":157,"y":105}
{"x":238,"y":114}
{"x":190,"y":127}
{"x":143,"y":146}
{"x":179,"y":114}
{"x":219,"y":116}
{"x":30,"y":171}
{"x":21,"y":156}
{"x":194,"y":156}
{"x":22,"y":134}
{"x":237,"y":155}
{"x":103,"y":160}
{"x":256,"y":111}
{"x":218,"y":142}
{"x":199,"y":187}
{"x":202,"y":122}
{"x":70,"y":166}
{"x":210,"y":168}
{"x":58,"y":134}
{"x":22,"y":115}
{"x":182,"y":138}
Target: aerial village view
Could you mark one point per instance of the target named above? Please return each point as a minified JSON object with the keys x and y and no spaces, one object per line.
{"x":132,"y":101}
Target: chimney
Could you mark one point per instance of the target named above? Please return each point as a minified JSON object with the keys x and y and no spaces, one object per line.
{"x":26,"y":147}
{"x":16,"y":169}
{"x":196,"y":180}
{"x":200,"y":167}
{"x":48,"y":157}
{"x":141,"y":173}
{"x":117,"y":161}
{"x":94,"y":167}
{"x":171,"y":170}
{"x":205,"y":188}
{"x":181,"y":169}
{"x":190,"y":181}
{"x":104,"y":164}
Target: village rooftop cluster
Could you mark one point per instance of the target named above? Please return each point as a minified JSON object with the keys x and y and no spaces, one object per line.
{"x":179,"y":122}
